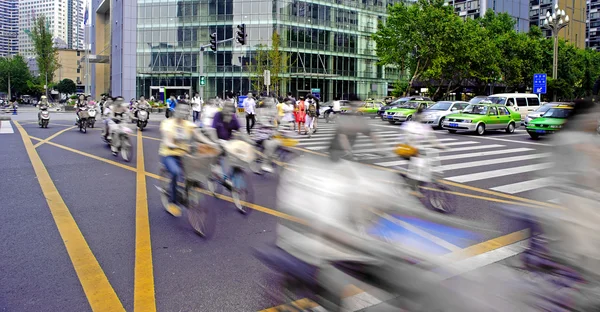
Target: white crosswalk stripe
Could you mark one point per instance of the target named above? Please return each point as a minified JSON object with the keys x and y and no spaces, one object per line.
{"x":501,"y":167}
{"x":6,"y":127}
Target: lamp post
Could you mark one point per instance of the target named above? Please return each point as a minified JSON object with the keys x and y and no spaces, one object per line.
{"x":555,"y":22}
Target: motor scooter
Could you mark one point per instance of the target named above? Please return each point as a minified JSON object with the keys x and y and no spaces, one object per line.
{"x":91,"y":109}
{"x":44,"y":117}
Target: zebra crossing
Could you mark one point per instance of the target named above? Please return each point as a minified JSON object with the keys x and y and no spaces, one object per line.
{"x":495,"y":165}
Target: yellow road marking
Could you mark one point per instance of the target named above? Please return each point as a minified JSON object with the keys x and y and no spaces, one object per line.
{"x":95,"y":284}
{"x":305,"y":303}
{"x":489,"y":245}
{"x":143,"y":292}
{"x":48,"y":139}
{"x":114,"y":163}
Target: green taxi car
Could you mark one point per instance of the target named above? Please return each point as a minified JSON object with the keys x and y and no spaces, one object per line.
{"x":405,"y":111}
{"x":370,"y":108}
{"x":481,"y":117}
{"x":550,"y":122}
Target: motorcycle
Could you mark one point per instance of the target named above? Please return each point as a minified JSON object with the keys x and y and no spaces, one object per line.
{"x":119,"y":140}
{"x":196,"y":168}
{"x":92,"y":115}
{"x":44,"y":117}
{"x":142,"y":118}
{"x":82,"y":119}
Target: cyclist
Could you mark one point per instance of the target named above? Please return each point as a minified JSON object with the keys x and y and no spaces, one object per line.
{"x":177,"y":132}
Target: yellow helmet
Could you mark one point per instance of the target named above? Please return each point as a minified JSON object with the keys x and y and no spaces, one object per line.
{"x":406,"y":151}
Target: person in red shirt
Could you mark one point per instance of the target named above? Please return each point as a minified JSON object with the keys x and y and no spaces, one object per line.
{"x":300,"y":114}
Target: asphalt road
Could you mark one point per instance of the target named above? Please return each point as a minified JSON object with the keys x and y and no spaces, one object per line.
{"x":47,"y":260}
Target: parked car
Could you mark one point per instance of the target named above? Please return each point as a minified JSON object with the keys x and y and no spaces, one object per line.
{"x":436,"y":114}
{"x":370,"y":108}
{"x":405,"y":111}
{"x":398,"y":102}
{"x":327,"y":105}
{"x":482,"y":117}
{"x":518,"y":102}
{"x":478,"y":99}
{"x":550,"y":122}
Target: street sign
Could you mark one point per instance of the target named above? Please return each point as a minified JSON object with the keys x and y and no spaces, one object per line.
{"x":539,"y":83}
{"x":316,"y":92}
{"x":267,"y":77}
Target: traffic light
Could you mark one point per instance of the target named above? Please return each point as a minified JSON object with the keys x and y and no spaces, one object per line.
{"x":241,"y":34}
{"x":213,"y":41}
{"x":202,"y":80}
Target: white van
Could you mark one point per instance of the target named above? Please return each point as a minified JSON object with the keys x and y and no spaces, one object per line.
{"x":519,"y":102}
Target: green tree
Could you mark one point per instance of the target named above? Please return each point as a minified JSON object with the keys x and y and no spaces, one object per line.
{"x":256,"y":68}
{"x":14,"y":72}
{"x":66,"y":86}
{"x":46,"y":54}
{"x":414,"y":37}
{"x":273,"y":59}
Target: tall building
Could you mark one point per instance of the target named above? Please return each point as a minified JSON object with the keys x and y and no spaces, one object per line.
{"x":575,"y":9}
{"x":327,"y":43}
{"x":518,"y":9}
{"x":9,"y":27}
{"x":593,"y":24}
{"x":64,"y":17}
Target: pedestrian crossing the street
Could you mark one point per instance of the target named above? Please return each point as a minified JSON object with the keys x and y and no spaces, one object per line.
{"x":495,"y":165}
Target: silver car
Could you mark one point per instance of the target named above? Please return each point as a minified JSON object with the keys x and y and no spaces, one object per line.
{"x":436,"y":114}
{"x":539,"y":112}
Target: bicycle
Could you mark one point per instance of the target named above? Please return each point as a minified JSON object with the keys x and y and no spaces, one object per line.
{"x":423,"y":177}
{"x":196,"y":167}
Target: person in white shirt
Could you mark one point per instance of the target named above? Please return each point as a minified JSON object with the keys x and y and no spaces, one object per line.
{"x":250,"y":109}
{"x":208,"y":112}
{"x":196,"y":107}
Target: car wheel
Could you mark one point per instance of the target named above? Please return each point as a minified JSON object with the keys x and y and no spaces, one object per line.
{"x":534,"y":136}
{"x":510,"y":128}
{"x":441,"y":123}
{"x":452,"y":131}
{"x":480,"y":129}
{"x":409,"y":118}
{"x":392,"y":122}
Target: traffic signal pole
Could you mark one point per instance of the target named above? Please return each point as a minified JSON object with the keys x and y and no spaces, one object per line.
{"x":241,"y":38}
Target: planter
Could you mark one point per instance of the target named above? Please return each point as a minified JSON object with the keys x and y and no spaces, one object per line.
{"x":69,"y":108}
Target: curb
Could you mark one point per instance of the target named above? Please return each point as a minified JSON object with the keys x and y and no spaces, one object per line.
{"x":4,"y":117}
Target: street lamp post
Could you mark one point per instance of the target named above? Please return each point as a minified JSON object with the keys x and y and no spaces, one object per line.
{"x":555,"y":23}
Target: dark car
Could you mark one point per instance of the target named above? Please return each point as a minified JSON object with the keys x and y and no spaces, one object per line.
{"x":398,"y":102}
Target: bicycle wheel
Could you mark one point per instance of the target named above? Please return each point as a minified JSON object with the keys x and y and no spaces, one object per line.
{"x":438,"y":198}
{"x":241,"y":191}
{"x":201,"y":216}
{"x":164,"y":187}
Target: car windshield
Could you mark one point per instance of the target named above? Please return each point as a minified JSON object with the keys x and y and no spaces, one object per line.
{"x":441,"y":106}
{"x":477,"y":99}
{"x":476,"y":109}
{"x":497,"y":100}
{"x":558,"y":113}
{"x":544,"y":108}
{"x":409,"y":105}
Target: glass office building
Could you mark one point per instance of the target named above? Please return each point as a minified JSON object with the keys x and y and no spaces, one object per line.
{"x":327,"y":42}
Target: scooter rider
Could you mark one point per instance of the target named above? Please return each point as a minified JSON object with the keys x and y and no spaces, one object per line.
{"x":81,"y":103}
{"x":141,"y":104}
{"x":177,"y":132}
{"x":117,"y":110}
{"x":42,"y":105}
